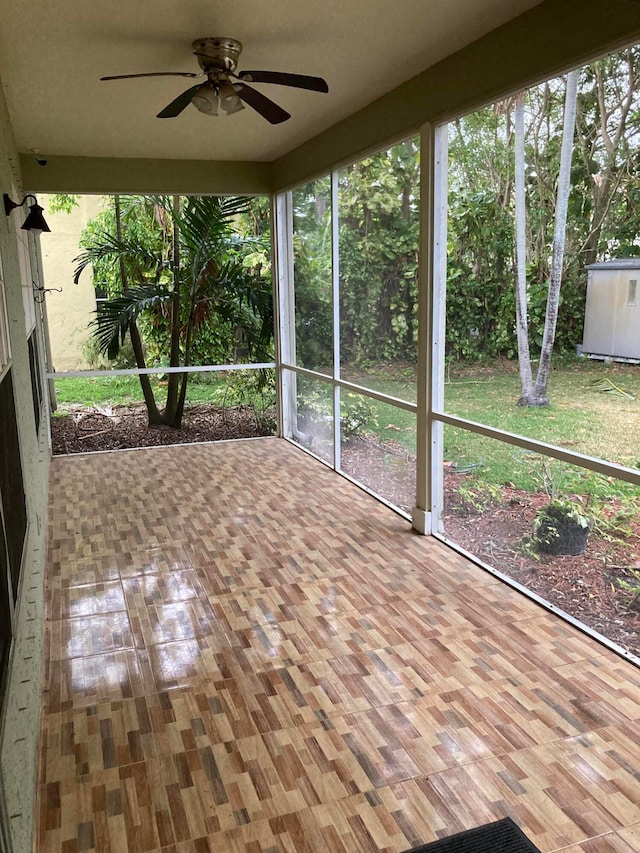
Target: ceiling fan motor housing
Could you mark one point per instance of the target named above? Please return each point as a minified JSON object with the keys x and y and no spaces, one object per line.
{"x":218,"y":53}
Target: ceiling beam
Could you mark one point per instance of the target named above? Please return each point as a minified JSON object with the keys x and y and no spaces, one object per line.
{"x":103,"y":175}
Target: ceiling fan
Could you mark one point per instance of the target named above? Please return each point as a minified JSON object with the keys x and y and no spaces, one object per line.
{"x":218,"y":59}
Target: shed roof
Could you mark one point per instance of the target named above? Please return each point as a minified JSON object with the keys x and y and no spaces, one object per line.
{"x":616,"y":264}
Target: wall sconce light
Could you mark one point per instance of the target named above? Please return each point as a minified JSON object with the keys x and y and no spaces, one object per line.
{"x":35,"y":221}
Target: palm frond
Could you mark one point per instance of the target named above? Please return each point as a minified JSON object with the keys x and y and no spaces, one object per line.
{"x":107,"y":247}
{"x":206,"y":222}
{"x":247,"y":302}
{"x":113,"y":316}
{"x":606,"y":386}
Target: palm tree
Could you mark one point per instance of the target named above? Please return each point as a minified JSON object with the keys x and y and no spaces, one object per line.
{"x":190,"y":272}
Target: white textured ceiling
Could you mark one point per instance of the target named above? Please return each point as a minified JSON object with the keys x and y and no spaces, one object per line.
{"x":53,"y":52}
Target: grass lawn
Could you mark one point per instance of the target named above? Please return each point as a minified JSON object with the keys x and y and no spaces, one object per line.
{"x":125,"y":390}
{"x":579,"y":417}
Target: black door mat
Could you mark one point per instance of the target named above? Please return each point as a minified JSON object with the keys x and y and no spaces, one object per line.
{"x":503,"y":836}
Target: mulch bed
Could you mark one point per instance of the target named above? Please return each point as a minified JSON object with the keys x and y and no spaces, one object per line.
{"x":587,"y":587}
{"x":123,"y":427}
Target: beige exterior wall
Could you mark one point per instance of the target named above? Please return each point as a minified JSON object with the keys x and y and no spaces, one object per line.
{"x":20,"y":711}
{"x":70,"y":311}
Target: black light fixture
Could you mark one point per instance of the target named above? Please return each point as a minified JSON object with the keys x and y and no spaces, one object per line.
{"x":35,"y":221}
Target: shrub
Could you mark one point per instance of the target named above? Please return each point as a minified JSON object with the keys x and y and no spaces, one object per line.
{"x":357,"y":412}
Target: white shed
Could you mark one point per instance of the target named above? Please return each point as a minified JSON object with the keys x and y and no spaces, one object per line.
{"x":612,"y":310}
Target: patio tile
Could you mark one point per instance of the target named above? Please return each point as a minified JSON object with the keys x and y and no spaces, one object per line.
{"x":86,"y":600}
{"x":81,"y":681}
{"x":289,"y":669}
{"x":90,"y":635}
{"x":177,"y":620}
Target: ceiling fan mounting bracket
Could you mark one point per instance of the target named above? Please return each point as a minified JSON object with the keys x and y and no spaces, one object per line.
{"x":217,"y":53}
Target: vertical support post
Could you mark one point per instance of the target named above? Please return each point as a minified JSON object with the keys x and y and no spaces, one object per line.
{"x":431,"y":324}
{"x":421,"y":517}
{"x":440,"y":215}
{"x":277,"y":225}
{"x":335,"y":301}
{"x":284,"y":305}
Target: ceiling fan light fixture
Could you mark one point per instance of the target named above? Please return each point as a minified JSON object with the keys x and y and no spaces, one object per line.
{"x":229,"y":99}
{"x":206,"y":100}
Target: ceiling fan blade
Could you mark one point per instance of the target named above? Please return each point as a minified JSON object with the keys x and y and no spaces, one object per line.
{"x":153,"y":74}
{"x":261,"y":104}
{"x":299,"y":81}
{"x":180,"y":103}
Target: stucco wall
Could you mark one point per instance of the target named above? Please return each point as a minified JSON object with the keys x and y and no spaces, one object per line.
{"x":70,"y":311}
{"x":20,"y":713}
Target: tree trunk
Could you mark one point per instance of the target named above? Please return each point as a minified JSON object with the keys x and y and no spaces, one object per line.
{"x":540,"y":397}
{"x":522,"y":322}
{"x":177,"y":416}
{"x":153,"y":415}
{"x":172,"y":405}
{"x":602,"y":190}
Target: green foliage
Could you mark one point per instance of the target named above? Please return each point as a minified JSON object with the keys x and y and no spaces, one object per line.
{"x":255,"y":389}
{"x":62,"y":202}
{"x":560,"y":528}
{"x":228,"y":299}
{"x":563,"y":511}
{"x":616,"y":526}
{"x":480,"y":286}
{"x":480,"y":301}
{"x":312,"y":274}
{"x":357,"y":415}
{"x":476,"y":496}
{"x":315,"y":410}
{"x":115,"y":316}
{"x":96,"y":359}
{"x":180,"y":271}
{"x":632,"y":586}
{"x":604,"y":206}
{"x":378,"y":201}
{"x":144,"y":249}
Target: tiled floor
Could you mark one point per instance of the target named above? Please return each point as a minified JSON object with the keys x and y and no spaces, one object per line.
{"x":247,"y":653}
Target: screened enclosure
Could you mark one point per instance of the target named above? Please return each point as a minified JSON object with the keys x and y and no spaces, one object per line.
{"x":403,"y":280}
